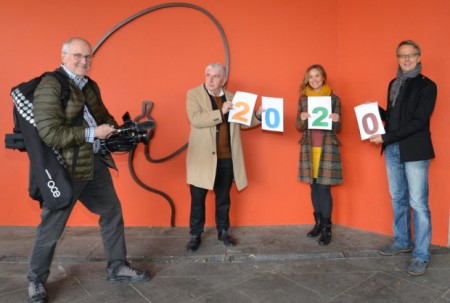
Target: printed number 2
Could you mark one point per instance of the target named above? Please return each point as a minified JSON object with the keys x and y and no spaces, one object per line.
{"x":240,"y":114}
{"x":365,"y":123}
{"x":319,"y":121}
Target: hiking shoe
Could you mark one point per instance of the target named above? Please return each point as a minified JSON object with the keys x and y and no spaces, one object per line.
{"x":417,"y":267}
{"x":394,"y":249}
{"x":127,"y":274}
{"x":36,"y":292}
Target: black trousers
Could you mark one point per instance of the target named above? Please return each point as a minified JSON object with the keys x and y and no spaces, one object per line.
{"x":321,"y":199}
{"x":222,"y":185}
{"x":99,"y":196}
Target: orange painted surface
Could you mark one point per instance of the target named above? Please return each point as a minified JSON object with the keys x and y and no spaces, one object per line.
{"x":161,"y":55}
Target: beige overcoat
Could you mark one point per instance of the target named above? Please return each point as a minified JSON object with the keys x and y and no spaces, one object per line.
{"x":201,"y":157}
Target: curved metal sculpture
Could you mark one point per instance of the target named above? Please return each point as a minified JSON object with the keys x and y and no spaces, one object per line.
{"x":168,"y":5}
{"x":147,"y":105}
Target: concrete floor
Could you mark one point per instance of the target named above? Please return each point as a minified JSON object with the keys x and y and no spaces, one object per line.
{"x":269,"y":264}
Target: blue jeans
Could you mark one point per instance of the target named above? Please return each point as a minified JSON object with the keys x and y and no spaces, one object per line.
{"x":408,"y":186}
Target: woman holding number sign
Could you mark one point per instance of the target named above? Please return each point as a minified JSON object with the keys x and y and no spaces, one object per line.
{"x":320,"y":159}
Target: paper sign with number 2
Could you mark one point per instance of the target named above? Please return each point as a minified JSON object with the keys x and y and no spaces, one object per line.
{"x":319,"y":109}
{"x":243,"y":105}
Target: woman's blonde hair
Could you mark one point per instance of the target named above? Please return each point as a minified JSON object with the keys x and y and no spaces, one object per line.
{"x":305,"y":82}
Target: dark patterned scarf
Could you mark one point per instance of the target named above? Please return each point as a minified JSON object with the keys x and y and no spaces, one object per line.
{"x":401,"y":78}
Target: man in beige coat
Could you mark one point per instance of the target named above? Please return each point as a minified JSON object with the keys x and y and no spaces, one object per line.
{"x":214,"y":157}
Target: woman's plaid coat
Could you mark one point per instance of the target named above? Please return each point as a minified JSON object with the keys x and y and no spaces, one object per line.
{"x":330,"y":165}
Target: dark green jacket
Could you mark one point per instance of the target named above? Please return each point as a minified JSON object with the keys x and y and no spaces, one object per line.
{"x":54,"y":123}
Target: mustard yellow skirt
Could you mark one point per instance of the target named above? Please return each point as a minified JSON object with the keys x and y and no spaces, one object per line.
{"x":316,"y":152}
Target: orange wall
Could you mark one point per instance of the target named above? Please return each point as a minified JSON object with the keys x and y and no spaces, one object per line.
{"x":161,"y":55}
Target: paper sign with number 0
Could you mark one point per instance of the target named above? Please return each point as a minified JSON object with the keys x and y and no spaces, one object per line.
{"x":272,"y":117}
{"x":369,"y":120}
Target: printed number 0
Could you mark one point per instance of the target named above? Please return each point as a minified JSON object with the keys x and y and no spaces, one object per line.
{"x":240,"y":114}
{"x":276,"y":117}
{"x":319,"y":121}
{"x":366,"y":126}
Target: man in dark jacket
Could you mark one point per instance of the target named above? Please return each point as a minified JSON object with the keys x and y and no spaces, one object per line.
{"x":408,"y":151}
{"x":92,"y":183}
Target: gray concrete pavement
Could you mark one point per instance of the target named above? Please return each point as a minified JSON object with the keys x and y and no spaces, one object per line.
{"x":269,"y":264}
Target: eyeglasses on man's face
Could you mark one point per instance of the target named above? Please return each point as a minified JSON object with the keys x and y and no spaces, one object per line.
{"x":407,"y":56}
{"x":79,"y":57}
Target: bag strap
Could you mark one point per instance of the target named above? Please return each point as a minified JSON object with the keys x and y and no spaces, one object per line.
{"x":59,"y":74}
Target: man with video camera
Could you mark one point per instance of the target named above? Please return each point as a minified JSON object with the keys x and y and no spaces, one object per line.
{"x":92,"y":183}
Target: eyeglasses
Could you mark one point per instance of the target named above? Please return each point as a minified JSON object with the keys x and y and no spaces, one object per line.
{"x":79,"y":56}
{"x":407,"y":56}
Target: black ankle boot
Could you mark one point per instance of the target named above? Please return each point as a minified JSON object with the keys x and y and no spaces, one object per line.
{"x":325,"y":237}
{"x":194,"y":243}
{"x":317,"y":229}
{"x":225,"y":237}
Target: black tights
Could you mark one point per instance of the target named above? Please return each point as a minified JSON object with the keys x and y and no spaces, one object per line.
{"x":321,"y":199}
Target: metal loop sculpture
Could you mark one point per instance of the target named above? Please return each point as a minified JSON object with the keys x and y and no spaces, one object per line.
{"x":147,"y":105}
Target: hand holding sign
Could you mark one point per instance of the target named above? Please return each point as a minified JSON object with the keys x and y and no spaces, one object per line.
{"x":369,"y":120}
{"x":319,"y":110}
{"x":242,"y":110}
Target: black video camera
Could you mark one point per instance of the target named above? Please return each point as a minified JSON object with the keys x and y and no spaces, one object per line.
{"x":127,"y":136}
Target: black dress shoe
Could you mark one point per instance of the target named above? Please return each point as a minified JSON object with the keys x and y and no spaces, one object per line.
{"x":225,"y":237}
{"x":194,"y":243}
